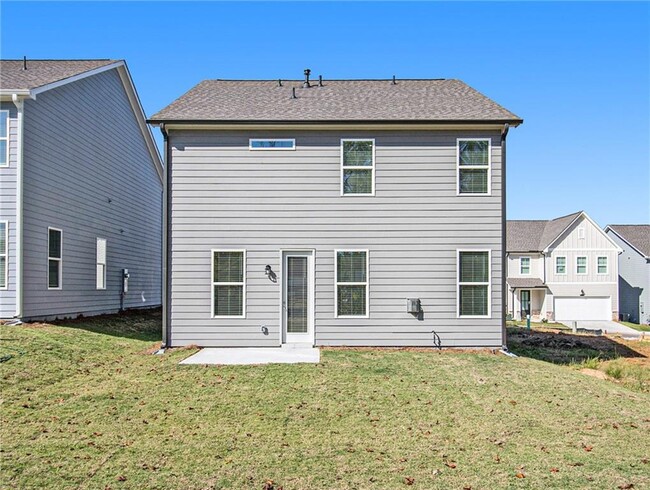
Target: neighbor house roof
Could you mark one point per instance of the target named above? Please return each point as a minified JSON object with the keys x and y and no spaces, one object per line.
{"x":433,"y":100}
{"x":13,"y":76}
{"x":535,"y":235}
{"x":636,"y":235}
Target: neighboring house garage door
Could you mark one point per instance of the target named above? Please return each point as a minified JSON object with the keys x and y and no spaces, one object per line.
{"x":583,"y":308}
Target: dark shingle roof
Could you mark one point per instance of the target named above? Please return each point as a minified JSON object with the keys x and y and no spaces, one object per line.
{"x":43,"y":72}
{"x":535,"y":235}
{"x":525,"y":282}
{"x":636,"y":235}
{"x":336,"y":100}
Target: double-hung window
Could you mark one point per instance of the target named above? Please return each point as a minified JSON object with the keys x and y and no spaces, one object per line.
{"x":474,"y":283}
{"x":581,"y":265}
{"x":351,"y":283}
{"x":4,"y":138}
{"x":229,"y":283}
{"x":101,"y":264}
{"x":4,"y":245}
{"x":602,"y":265}
{"x":473,"y":166}
{"x":560,"y":265}
{"x":524,"y":266}
{"x":54,"y":258}
{"x":358,"y":167}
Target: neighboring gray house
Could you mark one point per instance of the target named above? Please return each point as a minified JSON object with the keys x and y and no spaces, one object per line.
{"x":80,"y":191}
{"x":633,"y":270}
{"x":565,"y":269}
{"x":311,"y":212}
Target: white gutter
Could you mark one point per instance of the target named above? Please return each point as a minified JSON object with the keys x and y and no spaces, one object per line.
{"x":19,"y":102}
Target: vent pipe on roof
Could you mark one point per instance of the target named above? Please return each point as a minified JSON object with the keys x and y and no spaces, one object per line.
{"x":279,"y":82}
{"x":306,"y":82}
{"x":394,"y":81}
{"x":293,"y":93}
{"x":24,"y":62}
{"x":320,"y":80}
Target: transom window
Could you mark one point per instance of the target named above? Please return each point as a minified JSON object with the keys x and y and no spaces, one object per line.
{"x":54,"y":258}
{"x":602,"y":265}
{"x":581,"y":265}
{"x":101,"y":264}
{"x":524,"y":265}
{"x":358,"y":167}
{"x":560,"y":265}
{"x":473,"y":166}
{"x":352,"y":283}
{"x":4,"y":138}
{"x":272,"y":144}
{"x":228,"y":283}
{"x":4,"y":244}
{"x":474,"y":283}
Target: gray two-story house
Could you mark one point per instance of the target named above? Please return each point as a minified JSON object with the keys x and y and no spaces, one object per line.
{"x":633,"y":270}
{"x":334,"y":212}
{"x":80,"y":191}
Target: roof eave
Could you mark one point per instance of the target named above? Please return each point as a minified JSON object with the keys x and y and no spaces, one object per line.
{"x":333,"y":122}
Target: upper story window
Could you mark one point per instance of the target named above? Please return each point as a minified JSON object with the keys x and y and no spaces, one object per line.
{"x":272,"y":144}
{"x":4,"y":138}
{"x":4,"y":239}
{"x":351,"y":283}
{"x":358,"y":167}
{"x":228,"y":283}
{"x":602,"y":265}
{"x":474,"y":166}
{"x":54,"y":258}
{"x":474,"y":283}
{"x":581,"y":233}
{"x":581,"y":265}
{"x":524,"y":266}
{"x":560,"y":265}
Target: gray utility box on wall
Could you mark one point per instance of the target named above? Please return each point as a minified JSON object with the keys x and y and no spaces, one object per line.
{"x":413,"y":306}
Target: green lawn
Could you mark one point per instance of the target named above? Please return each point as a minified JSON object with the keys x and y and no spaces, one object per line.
{"x":636,"y":326}
{"x":86,"y":406}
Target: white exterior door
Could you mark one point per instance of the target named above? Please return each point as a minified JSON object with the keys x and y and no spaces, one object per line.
{"x":298,"y":297}
{"x":583,"y":308}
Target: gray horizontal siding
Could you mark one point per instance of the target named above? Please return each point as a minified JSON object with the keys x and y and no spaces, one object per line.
{"x":225,"y":196}
{"x":8,"y":178}
{"x":89,"y":173}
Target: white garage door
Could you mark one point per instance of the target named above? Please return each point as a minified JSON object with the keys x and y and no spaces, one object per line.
{"x":583,"y":308}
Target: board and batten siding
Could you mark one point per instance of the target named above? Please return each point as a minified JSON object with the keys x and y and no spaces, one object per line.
{"x":225,"y":196}
{"x":89,"y":173}
{"x":8,"y":207}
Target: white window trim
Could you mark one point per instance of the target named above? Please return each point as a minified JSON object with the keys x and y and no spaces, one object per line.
{"x":213,"y":283}
{"x":251,"y":148}
{"x":565,"y":265}
{"x":606,"y":265}
{"x":357,"y":167}
{"x":6,"y":138}
{"x":366,"y":283}
{"x":489,"y":168}
{"x":60,"y":260}
{"x":100,"y":263}
{"x":521,"y":273}
{"x":586,"y":272}
{"x":5,"y":254}
{"x":489,"y":283}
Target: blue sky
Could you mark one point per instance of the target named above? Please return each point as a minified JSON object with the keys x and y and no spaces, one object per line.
{"x":578,"y":73}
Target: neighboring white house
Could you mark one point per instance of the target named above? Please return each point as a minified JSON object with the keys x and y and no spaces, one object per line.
{"x":563,"y":269}
{"x":633,"y":271}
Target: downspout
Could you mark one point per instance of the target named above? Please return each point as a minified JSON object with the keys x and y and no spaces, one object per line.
{"x":166,"y":252}
{"x":504,"y":259}
{"x":20,"y":106}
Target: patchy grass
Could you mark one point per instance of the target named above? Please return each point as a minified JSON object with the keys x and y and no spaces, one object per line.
{"x":84,"y":406}
{"x":538,"y":325}
{"x":636,"y":326}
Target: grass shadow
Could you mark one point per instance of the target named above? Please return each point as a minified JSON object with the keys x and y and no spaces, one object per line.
{"x":566,"y":348}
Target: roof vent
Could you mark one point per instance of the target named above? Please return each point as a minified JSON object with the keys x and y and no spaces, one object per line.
{"x":394,"y":81}
{"x":24,"y":62}
{"x":306,"y":82}
{"x":320,"y":80}
{"x":279,"y":82}
{"x":293,"y":93}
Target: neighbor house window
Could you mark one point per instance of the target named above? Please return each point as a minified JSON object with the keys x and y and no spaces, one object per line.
{"x":473,"y":166}
{"x":54,"y":258}
{"x":474,"y":283}
{"x":581,"y":265}
{"x":4,"y":245}
{"x":524,"y":265}
{"x":560,"y":265}
{"x":101,"y":263}
{"x":228,"y":283}
{"x":358,"y":167}
{"x":351,"y":283}
{"x":4,"y":138}
{"x":602,"y":265}
{"x":274,"y":144}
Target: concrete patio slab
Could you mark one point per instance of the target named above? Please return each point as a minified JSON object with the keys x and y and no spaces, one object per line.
{"x":254,"y":355}
{"x":609,"y":327}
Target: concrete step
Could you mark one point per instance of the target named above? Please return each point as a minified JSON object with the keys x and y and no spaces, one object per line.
{"x":297,"y":345}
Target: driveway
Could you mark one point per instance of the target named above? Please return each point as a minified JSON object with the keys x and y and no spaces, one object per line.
{"x":609,"y":327}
